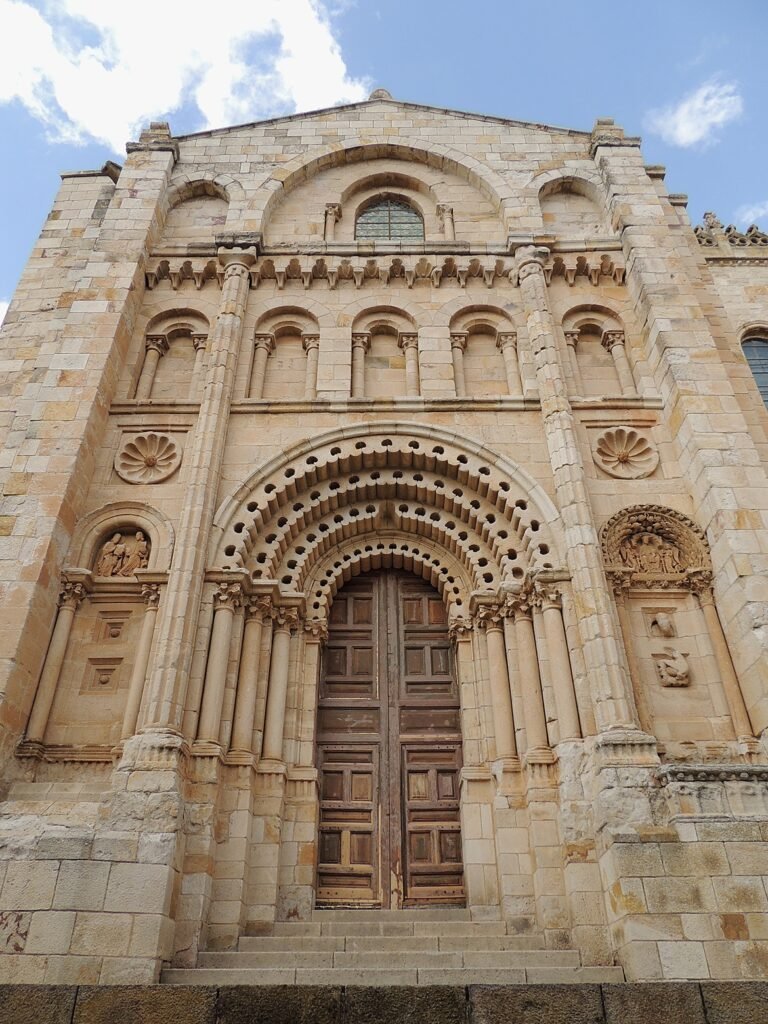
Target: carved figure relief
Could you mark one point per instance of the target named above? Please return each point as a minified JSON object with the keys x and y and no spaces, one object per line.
{"x":122,"y":557}
{"x":661,"y":624}
{"x":625,"y":453}
{"x":672,"y":667}
{"x":649,"y":553}
{"x":655,"y":547}
{"x":147,"y":458}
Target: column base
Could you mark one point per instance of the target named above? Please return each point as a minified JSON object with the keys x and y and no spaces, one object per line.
{"x":622,"y":747}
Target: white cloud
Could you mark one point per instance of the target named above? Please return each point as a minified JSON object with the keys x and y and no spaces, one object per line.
{"x":752,"y":213}
{"x":94,"y":70}
{"x":3,"y":310}
{"x":698,"y":115}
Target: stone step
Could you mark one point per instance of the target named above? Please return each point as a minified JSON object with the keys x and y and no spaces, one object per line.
{"x":390,"y":960}
{"x":395,"y":927}
{"x":299,"y":943}
{"x":386,"y":943}
{"x":422,"y":914}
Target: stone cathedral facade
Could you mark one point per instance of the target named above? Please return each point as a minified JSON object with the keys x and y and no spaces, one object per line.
{"x":384,"y":549}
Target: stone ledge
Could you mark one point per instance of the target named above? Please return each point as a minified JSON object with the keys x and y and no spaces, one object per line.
{"x":643,"y":1003}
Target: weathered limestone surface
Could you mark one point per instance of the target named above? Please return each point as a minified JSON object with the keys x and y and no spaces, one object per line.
{"x":219,"y":406}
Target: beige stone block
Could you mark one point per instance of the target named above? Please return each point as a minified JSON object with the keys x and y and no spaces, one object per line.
{"x":137,"y":888}
{"x":29,"y":885}
{"x":683,"y":960}
{"x":72,"y":970}
{"x":748,"y":858}
{"x":107,"y":934}
{"x":679,"y":895}
{"x":740,"y":893}
{"x":81,"y":885}
{"x":690,"y":859}
{"x":50,"y":932}
{"x":132,"y":970}
{"x":641,"y":961}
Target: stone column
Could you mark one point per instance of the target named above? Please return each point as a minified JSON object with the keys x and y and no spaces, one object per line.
{"x":458,"y":348}
{"x":285,"y":622}
{"x":490,"y":618}
{"x":569,"y":727}
{"x":226,"y":599}
{"x":156,"y":345}
{"x":256,"y":611}
{"x":644,"y":715}
{"x":151,"y":594}
{"x":311,"y":345}
{"x":603,"y":654}
{"x":537,"y":740}
{"x":315,"y":636}
{"x":200,"y":342}
{"x":506,"y":342}
{"x":264,"y":345}
{"x":332,"y":214}
{"x":177,"y":625}
{"x":571,"y":341}
{"x":445,"y":216}
{"x":360,"y":345}
{"x":614,"y":342}
{"x":741,"y":723}
{"x":409,"y":343}
{"x":71,"y":594}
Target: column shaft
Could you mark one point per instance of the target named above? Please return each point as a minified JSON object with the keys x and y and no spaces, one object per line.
{"x":501,"y":695}
{"x":625,"y":623}
{"x":198,"y":374}
{"x":225,"y":602}
{"x":741,"y":724}
{"x":360,"y":345}
{"x":507,"y":343}
{"x":615,"y":343}
{"x":458,"y":347}
{"x":562,"y":678}
{"x":265,"y":345}
{"x":248,"y":678}
{"x":311,"y":345}
{"x":577,"y":384}
{"x":151,"y":594}
{"x":530,"y":684}
{"x":409,"y":344}
{"x":155,"y":348}
{"x":274,"y":722}
{"x":70,"y":597}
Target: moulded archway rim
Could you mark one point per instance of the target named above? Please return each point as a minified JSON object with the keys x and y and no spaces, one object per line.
{"x":533,"y":490}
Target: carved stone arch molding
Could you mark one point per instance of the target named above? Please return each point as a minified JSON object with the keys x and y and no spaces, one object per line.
{"x":651,"y":545}
{"x":207,"y":183}
{"x":96,"y":527}
{"x":452,"y":506}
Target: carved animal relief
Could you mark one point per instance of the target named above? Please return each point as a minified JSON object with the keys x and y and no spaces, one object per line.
{"x":672,"y":667}
{"x":122,"y":555}
{"x":625,"y":453}
{"x":147,"y":458}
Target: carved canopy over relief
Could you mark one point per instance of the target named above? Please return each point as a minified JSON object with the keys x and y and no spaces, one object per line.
{"x":122,"y":554}
{"x":656,"y":547}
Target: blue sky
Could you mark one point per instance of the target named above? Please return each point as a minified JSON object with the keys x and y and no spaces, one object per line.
{"x":78,"y":78}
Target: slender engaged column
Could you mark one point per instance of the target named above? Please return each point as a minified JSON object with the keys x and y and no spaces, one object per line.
{"x":562,"y":678}
{"x":264,"y":345}
{"x":315,"y":636}
{"x":257,"y":609}
{"x":603,"y":652}
{"x":625,"y":624}
{"x":70,"y":596}
{"x":285,"y":621}
{"x":492,"y":621}
{"x":151,"y":594}
{"x":614,"y":342}
{"x":332,"y":214}
{"x":530,"y":683}
{"x":572,"y":340}
{"x":409,"y":343}
{"x":458,"y":348}
{"x":741,"y":723}
{"x":445,"y":215}
{"x":226,"y":599}
{"x":507,"y":345}
{"x":311,"y":345}
{"x":156,"y":345}
{"x":199,"y":341}
{"x":360,"y":345}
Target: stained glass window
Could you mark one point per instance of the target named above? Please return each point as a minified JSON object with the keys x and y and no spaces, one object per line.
{"x":756,"y":351}
{"x":390,"y":219}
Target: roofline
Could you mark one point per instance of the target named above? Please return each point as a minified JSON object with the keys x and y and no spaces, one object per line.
{"x":399,"y":103}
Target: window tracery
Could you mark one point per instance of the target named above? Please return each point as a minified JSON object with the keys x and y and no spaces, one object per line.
{"x":389,"y":219}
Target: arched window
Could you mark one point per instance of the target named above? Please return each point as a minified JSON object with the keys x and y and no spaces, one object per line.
{"x":390,"y":219}
{"x":756,"y":352}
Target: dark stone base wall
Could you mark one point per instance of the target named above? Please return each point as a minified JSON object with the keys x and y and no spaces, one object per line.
{"x":651,"y":1003}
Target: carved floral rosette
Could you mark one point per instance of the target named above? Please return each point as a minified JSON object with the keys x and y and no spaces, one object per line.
{"x":655,"y":547}
{"x":147,"y":458}
{"x":625,"y":453}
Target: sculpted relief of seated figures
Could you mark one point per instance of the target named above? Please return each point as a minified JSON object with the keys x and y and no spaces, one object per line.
{"x":649,"y":553}
{"x":121,"y":556}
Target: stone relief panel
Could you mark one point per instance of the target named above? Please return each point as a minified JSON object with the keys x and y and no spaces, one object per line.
{"x":147,"y":458}
{"x":654,"y":547}
{"x":625,"y":453}
{"x":121,"y":555}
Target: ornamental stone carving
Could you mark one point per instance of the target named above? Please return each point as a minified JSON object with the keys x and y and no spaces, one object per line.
{"x":672,"y":667}
{"x":147,"y":458}
{"x":656,"y":547}
{"x":121,"y":556}
{"x":625,"y":453}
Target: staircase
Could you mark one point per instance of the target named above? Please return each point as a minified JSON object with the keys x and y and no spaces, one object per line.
{"x":439,"y":946}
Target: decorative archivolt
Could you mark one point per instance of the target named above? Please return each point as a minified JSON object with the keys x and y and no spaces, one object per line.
{"x":656,"y":547}
{"x":457,"y":505}
{"x":311,"y":271}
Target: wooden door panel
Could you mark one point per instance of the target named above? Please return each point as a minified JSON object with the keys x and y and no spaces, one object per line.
{"x":389,"y":748}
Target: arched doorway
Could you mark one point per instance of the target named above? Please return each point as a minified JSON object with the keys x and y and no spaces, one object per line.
{"x":388,"y":748}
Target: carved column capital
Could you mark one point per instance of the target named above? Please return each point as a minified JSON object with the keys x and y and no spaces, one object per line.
{"x":71,"y":593}
{"x":309,"y":341}
{"x":520,"y":606}
{"x":460,"y":630}
{"x":530,"y":259}
{"x":286,"y":618}
{"x":157,"y":343}
{"x":459,"y":340}
{"x":228,"y":594}
{"x":315,"y":630}
{"x":547,"y":595}
{"x":491,"y":616}
{"x":333,"y":212}
{"x":406,"y":341}
{"x":611,"y":338}
{"x":444,"y":210}
{"x":506,"y":339}
{"x":199,"y":342}
{"x":264,"y":341}
{"x":237,"y":262}
{"x":258,"y":607}
{"x":571,"y":338}
{"x":150,"y":593}
{"x":362,"y":340}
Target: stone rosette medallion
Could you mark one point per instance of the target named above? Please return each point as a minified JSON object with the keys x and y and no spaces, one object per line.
{"x":147,"y":458}
{"x":625,"y":453}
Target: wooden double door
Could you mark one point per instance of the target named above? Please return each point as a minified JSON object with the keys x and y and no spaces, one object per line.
{"x":389,"y":748}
